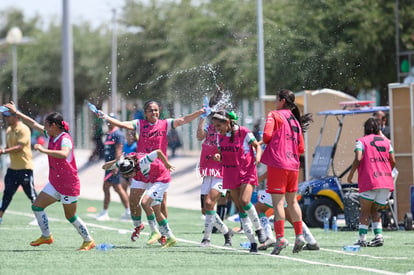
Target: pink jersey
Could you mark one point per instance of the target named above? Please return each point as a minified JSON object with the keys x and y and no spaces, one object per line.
{"x":238,"y":161}
{"x":374,"y":170}
{"x":63,"y":173}
{"x":157,"y":173}
{"x":152,"y":136}
{"x":208,"y":166}
{"x":283,"y":149}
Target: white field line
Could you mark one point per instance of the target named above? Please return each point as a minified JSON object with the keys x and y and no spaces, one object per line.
{"x":377,"y":271}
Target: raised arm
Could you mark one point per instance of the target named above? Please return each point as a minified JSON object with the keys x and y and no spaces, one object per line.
{"x":201,"y":134}
{"x":187,"y":119}
{"x":121,"y":124}
{"x":26,"y":119}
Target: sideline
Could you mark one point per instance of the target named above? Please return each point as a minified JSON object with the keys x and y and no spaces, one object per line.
{"x":124,"y":231}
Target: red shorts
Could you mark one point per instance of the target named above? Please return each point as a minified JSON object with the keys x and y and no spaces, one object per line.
{"x":280,"y":181}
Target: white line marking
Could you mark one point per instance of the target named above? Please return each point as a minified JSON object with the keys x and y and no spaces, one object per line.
{"x":377,"y":271}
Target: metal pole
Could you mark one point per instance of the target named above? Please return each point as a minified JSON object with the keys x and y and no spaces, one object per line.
{"x":114,"y":64}
{"x":397,"y":40}
{"x":67,"y":69}
{"x":260,"y":55}
{"x":14,"y":75}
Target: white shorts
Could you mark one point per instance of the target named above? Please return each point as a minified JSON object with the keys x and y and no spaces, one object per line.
{"x":135,"y":184}
{"x":266,"y":199}
{"x":51,"y":191}
{"x":379,"y":196}
{"x":210,"y":182}
{"x":156,"y":192}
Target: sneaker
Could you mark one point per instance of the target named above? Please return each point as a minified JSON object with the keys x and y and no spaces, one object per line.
{"x":42,"y":240}
{"x":253,"y":248}
{"x":171,"y":241}
{"x":126,"y":217}
{"x":377,"y":241}
{"x":153,"y":238}
{"x":215,"y":230}
{"x":87,"y":245}
{"x":261,"y":235}
{"x":205,"y":243}
{"x":280,"y":244}
{"x":270,"y":242}
{"x":103,"y":216}
{"x":309,"y":246}
{"x":361,"y":243}
{"x":299,"y":244}
{"x":227,"y":238}
{"x":162,"y":240}
{"x":137,"y":230}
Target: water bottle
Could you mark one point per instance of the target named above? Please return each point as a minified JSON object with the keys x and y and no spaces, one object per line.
{"x":326,"y":224}
{"x":352,"y":248}
{"x":93,"y":108}
{"x":245,"y":245}
{"x":3,"y":109}
{"x":105,"y":247}
{"x":334,"y":224}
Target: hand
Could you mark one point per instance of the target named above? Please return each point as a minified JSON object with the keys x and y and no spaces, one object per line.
{"x":38,"y":147}
{"x":101,"y":114}
{"x":206,"y":113}
{"x":217,"y":157}
{"x":11,"y":107}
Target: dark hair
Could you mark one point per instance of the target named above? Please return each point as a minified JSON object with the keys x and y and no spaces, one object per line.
{"x":371,"y":126}
{"x":290,"y":104}
{"x":214,"y":99}
{"x":57,"y":119}
{"x":224,"y":117}
{"x":127,"y":165}
{"x":149,"y":102}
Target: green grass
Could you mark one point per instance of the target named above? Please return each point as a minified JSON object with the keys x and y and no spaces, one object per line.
{"x":18,"y":257}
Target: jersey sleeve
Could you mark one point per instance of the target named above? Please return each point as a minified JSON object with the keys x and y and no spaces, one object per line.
{"x":145,"y":162}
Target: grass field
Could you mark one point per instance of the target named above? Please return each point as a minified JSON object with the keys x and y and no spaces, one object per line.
{"x":18,"y":257}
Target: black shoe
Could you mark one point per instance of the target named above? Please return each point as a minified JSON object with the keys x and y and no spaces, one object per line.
{"x":309,"y":246}
{"x":377,"y":241}
{"x":361,"y":243}
{"x":253,"y":248}
{"x":261,"y":235}
{"x":227,"y":238}
{"x":215,"y":230}
{"x":205,"y":243}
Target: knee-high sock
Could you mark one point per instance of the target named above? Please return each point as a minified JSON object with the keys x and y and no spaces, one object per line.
{"x":247,"y":227}
{"x":42,"y":220}
{"x":251,"y":212}
{"x":307,"y":234}
{"x":208,"y":224}
{"x":264,"y":221}
{"x":165,"y":229}
{"x":220,"y":224}
{"x":152,"y":222}
{"x":136,"y":221}
{"x":80,"y":227}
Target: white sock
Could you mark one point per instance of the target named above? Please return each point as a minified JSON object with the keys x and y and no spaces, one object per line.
{"x":253,"y":216}
{"x":264,"y":221}
{"x":220,"y":225}
{"x":43,"y":222}
{"x":307,"y":234}
{"x":82,"y":229}
{"x":208,"y":225}
{"x":247,"y":227}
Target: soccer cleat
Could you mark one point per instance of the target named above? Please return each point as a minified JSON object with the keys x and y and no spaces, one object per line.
{"x":155,"y":235}
{"x":261,"y":235}
{"x":137,"y":231}
{"x":281,"y":243}
{"x":299,"y":244}
{"x":361,"y":243}
{"x":103,"y":216}
{"x":227,"y":238}
{"x":253,"y":248}
{"x":42,"y":240}
{"x":87,"y":245}
{"x":171,"y":241}
{"x":309,"y":246}
{"x":162,"y":240}
{"x":268,"y":243}
{"x":377,"y":241}
{"x":205,"y":243}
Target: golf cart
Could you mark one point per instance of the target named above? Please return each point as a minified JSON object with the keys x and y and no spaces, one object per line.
{"x":324,"y":195}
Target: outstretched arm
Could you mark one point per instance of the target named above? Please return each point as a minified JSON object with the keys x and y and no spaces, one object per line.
{"x":164,"y":160}
{"x":122,"y":124}
{"x":26,"y":119}
{"x":201,"y":134}
{"x":187,"y":119}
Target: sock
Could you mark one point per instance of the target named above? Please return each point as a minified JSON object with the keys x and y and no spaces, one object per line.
{"x":81,"y":227}
{"x":251,"y":212}
{"x":307,"y":234}
{"x":152,"y":222}
{"x":165,"y":229}
{"x":42,"y":220}
{"x":279,"y":228}
{"x":136,"y":221}
{"x":264,"y":221}
{"x":377,"y":227}
{"x":247,"y":227}
{"x":127,"y":211}
{"x":219,"y":224}
{"x":208,"y":224}
{"x":221,"y":211}
{"x":363,"y":230}
{"x":298,"y":228}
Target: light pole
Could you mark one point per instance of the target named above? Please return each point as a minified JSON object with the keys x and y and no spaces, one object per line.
{"x":14,"y":37}
{"x":114,"y":64}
